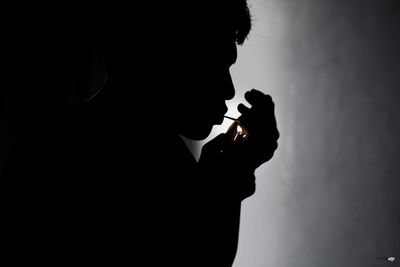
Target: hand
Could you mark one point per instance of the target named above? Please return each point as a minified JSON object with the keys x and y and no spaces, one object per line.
{"x":220,"y":164}
{"x":223,"y":157}
{"x":260,"y":122}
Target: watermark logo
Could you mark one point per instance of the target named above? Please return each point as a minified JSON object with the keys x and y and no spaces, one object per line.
{"x":391,"y":259}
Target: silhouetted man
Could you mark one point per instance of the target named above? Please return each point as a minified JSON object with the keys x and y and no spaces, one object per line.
{"x":110,"y":179}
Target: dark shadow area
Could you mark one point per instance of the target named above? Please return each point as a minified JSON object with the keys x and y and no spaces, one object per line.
{"x":94,"y":103}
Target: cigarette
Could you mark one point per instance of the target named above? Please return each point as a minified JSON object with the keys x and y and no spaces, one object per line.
{"x":236,"y":120}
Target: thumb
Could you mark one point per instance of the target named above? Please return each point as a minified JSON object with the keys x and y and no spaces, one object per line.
{"x":215,"y":146}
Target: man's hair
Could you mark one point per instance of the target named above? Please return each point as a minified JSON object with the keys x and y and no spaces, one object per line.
{"x":206,"y":18}
{"x":242,"y":20}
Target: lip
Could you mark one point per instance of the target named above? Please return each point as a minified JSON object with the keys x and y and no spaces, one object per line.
{"x":220,"y":117}
{"x":219,"y":111}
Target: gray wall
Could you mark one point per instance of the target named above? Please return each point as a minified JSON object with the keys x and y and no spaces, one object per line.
{"x":330,"y":196}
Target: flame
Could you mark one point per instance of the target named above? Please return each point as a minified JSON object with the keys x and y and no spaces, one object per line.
{"x":239,"y":129}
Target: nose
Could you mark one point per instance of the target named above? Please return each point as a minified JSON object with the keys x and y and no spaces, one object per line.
{"x":228,"y":87}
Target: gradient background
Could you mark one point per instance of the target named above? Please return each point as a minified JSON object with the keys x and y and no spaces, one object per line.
{"x":330,"y":196}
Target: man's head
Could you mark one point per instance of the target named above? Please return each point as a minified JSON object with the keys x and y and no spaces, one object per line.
{"x":198,"y":46}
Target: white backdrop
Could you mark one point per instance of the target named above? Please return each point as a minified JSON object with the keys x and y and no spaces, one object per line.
{"x":330,"y":196}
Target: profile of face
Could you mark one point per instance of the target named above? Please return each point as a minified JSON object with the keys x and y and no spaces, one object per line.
{"x":201,"y":84}
{"x":197,"y":42}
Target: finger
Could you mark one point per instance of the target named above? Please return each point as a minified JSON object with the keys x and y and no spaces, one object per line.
{"x":258,"y":99}
{"x":243,"y":109}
